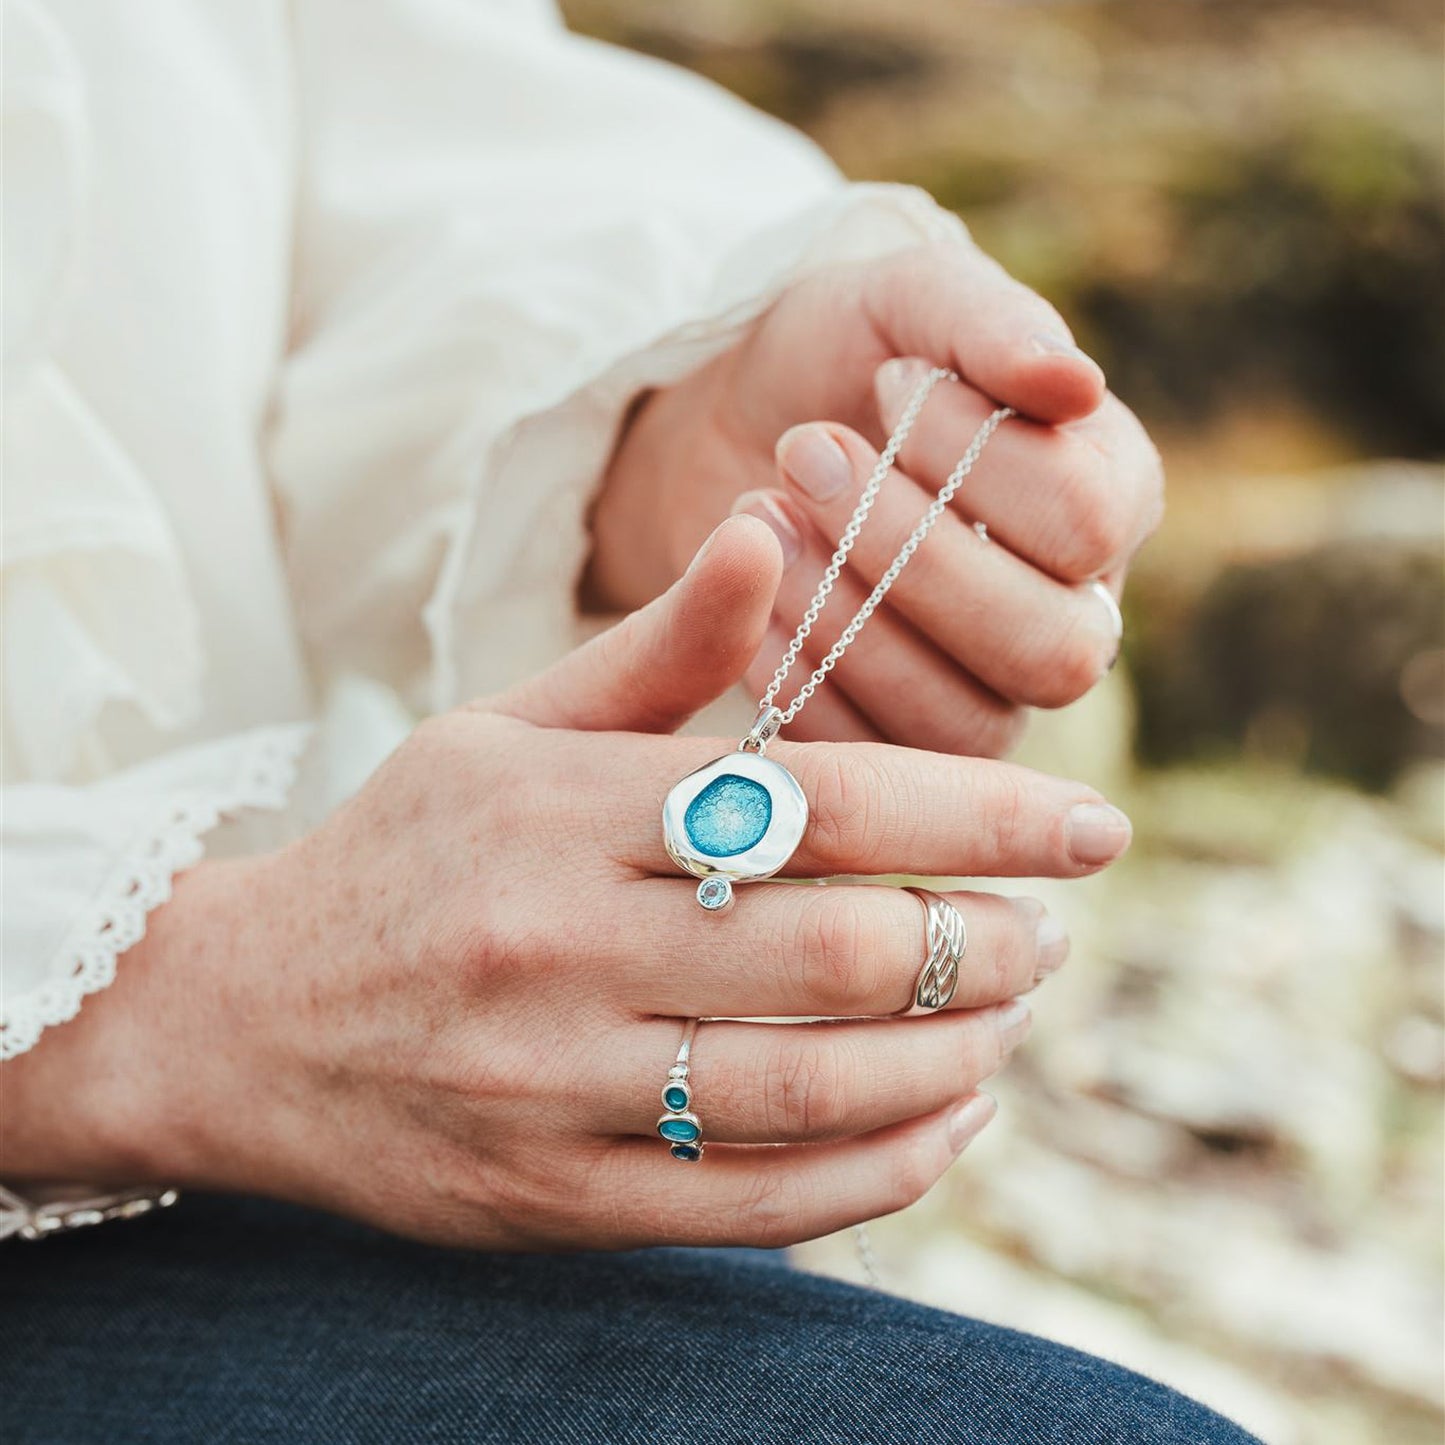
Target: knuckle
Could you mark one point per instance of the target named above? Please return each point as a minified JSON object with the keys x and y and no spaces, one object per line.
{"x":1151,"y":463}
{"x":485,"y":943}
{"x":1008,"y":731}
{"x":950,"y":254}
{"x":1154,"y":489}
{"x":517,"y":1199}
{"x":846,"y":792}
{"x":1002,"y":818}
{"x":999,"y":967}
{"x":1017,"y":947}
{"x":910,"y":1177}
{"x":1036,"y":310}
{"x":806,"y":1089}
{"x":451,"y":1064}
{"x":454,"y":748}
{"x":1100,"y":528}
{"x":1074,"y":663}
{"x":994,"y":734}
{"x":836,"y":952}
{"x":981,"y":1054}
{"x":774,"y":1208}
{"x":447,"y":733}
{"x":1049,"y":317}
{"x":485,"y":1202}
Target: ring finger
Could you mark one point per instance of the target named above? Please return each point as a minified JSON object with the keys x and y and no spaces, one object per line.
{"x":762,"y":1083}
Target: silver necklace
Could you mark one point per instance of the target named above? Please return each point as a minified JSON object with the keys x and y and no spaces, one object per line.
{"x":740,"y":818}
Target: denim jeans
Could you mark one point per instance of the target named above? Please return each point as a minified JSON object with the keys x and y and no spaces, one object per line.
{"x":236,"y":1320}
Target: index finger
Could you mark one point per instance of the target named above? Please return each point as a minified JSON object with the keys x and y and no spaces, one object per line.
{"x":956,"y":306}
{"x":877,"y":809}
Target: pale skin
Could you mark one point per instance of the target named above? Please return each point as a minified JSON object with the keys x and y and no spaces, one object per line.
{"x":971,"y":635}
{"x":449,"y":1010}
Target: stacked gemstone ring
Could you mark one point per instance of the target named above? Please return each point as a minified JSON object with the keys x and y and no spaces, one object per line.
{"x":679,"y":1126}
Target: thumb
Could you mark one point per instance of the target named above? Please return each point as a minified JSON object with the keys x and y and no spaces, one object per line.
{"x":656,"y":668}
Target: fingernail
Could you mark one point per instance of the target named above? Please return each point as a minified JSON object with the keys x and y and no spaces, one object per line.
{"x":1097,"y":833}
{"x":1052,"y":943}
{"x":814,"y":462}
{"x":967,"y":1121}
{"x":1050,"y":343}
{"x":1014,"y":1022}
{"x":766,"y":508}
{"x":893,"y":384}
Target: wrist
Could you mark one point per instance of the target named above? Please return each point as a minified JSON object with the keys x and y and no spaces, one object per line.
{"x":661,"y":494}
{"x":112,"y":1095}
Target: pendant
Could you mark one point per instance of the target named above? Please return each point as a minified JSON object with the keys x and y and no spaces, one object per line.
{"x":736,"y":820}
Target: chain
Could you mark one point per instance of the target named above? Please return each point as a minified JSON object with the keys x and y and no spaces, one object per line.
{"x":863,"y":1243}
{"x":834,"y":570}
{"x":770,"y":720}
{"x":28,"y":1220}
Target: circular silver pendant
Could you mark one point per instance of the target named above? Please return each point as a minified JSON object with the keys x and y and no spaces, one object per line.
{"x":737,"y":819}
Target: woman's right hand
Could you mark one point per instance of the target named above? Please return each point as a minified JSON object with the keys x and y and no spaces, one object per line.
{"x":450,"y":1009}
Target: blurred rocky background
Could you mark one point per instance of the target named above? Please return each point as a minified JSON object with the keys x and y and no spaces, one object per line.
{"x":1220,"y":1156}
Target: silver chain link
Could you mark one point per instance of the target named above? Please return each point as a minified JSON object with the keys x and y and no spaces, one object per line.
{"x":863,"y":1244}
{"x":834,"y":570}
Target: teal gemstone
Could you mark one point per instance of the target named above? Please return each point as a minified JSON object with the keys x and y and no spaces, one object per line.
{"x":729,"y":816}
{"x":681,"y":1131}
{"x":690,"y":1152}
{"x":675,"y":1096}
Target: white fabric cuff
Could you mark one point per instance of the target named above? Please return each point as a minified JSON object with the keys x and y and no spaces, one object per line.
{"x":91,"y":863}
{"x":494,"y":622}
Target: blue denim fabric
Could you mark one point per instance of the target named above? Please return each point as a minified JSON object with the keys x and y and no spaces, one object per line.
{"x":235,"y":1320}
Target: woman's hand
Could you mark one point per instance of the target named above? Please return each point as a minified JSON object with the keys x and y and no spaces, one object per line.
{"x":971,"y":633}
{"x":450,"y":1010}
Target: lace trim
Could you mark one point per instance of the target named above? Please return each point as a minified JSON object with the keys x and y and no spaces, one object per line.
{"x":141,"y":882}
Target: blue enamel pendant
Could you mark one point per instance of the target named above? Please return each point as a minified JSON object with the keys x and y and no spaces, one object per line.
{"x":738,"y":819}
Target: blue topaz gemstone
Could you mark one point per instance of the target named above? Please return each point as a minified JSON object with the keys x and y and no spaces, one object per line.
{"x":729,"y":816}
{"x":690,"y":1152}
{"x":675,"y":1097}
{"x":679,"y":1131}
{"x":714,"y":893}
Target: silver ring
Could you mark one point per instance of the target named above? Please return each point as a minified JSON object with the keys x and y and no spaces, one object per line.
{"x":946,"y":945}
{"x":1116,"y":617}
{"x":679,"y":1127}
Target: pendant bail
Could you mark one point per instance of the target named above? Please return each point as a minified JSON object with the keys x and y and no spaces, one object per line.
{"x":763,"y":731}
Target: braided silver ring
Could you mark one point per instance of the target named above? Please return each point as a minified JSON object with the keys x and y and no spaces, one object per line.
{"x":947,"y":942}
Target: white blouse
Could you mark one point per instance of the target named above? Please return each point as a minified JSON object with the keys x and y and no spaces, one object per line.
{"x":319,"y":321}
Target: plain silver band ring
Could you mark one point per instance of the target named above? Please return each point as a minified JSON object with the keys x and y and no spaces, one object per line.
{"x":1111,"y":604}
{"x":946,"y":944}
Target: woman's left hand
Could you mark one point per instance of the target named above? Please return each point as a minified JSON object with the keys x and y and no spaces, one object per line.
{"x":975,"y":629}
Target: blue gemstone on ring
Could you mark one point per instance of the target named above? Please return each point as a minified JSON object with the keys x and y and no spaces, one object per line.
{"x":689,"y":1152}
{"x":681,"y":1131}
{"x":675,"y":1096}
{"x":729,"y":816}
{"x":714,"y":893}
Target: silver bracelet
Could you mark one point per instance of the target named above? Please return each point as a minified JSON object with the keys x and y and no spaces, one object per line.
{"x":25,"y":1219}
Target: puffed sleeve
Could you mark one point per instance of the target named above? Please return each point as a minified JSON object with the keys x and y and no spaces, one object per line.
{"x":99,"y":620}
{"x":507,"y":232}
